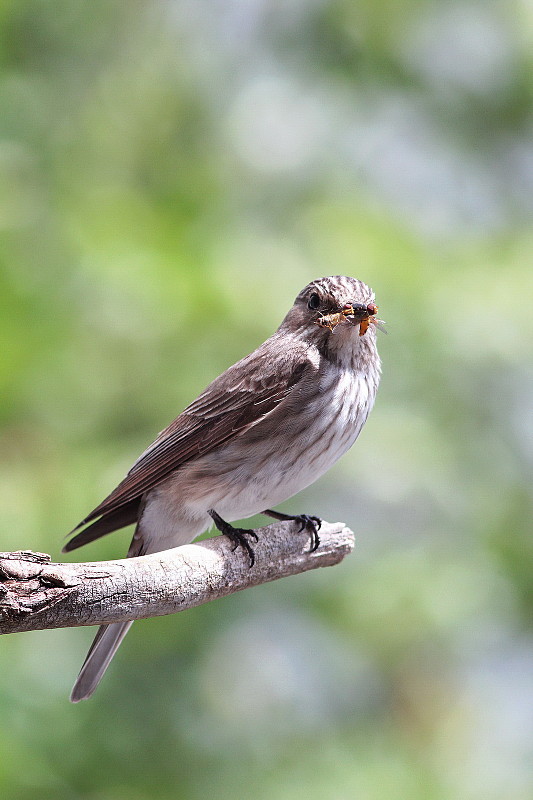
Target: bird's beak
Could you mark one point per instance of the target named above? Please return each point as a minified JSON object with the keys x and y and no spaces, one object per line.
{"x":361,"y":312}
{"x":362,"y":315}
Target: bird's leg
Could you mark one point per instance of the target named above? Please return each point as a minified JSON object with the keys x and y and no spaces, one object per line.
{"x":237,"y":535}
{"x":306,"y":521}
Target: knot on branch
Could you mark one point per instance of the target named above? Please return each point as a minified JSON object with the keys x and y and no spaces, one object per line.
{"x":27,"y":586}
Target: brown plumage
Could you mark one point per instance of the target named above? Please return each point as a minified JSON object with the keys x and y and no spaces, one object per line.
{"x":214,"y":417}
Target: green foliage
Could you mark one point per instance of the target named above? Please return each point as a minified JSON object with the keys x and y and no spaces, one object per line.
{"x":171,"y":175}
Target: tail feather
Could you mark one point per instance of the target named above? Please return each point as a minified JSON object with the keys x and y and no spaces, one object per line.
{"x":112,"y":521}
{"x":109,"y":637}
{"x":103,"y":648}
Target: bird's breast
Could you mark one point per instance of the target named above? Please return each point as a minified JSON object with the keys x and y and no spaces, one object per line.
{"x":279,"y":455}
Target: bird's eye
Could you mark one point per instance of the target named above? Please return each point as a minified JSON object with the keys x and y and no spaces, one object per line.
{"x":313,"y":302}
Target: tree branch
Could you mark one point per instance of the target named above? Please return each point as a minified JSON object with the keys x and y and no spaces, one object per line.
{"x":37,"y":594}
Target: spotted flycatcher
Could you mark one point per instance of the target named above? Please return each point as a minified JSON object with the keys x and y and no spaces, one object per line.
{"x":266,"y":428}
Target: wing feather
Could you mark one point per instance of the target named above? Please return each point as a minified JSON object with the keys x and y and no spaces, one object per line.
{"x":240,"y":397}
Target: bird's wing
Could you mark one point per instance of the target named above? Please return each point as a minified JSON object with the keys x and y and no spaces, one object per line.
{"x":240,"y":397}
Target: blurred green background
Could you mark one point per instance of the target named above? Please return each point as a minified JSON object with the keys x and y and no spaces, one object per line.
{"x":172,"y":173}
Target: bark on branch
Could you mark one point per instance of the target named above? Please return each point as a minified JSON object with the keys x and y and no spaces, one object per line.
{"x":36,"y":593}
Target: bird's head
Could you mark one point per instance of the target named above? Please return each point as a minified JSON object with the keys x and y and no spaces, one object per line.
{"x":336,"y":313}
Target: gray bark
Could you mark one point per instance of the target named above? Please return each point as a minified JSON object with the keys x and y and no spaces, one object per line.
{"x":36,"y":593}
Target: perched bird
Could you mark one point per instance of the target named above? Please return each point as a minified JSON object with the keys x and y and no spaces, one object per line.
{"x":266,"y":428}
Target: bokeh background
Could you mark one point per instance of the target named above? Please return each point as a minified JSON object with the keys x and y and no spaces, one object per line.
{"x":171,"y":174}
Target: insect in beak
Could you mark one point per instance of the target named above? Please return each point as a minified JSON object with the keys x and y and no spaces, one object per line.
{"x":354,"y":314}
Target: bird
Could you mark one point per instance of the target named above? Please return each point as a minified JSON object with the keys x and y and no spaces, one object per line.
{"x":265,"y":429}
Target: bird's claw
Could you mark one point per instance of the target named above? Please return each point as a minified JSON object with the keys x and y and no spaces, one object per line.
{"x":236,"y":535}
{"x":308,"y":521}
{"x":313,"y":525}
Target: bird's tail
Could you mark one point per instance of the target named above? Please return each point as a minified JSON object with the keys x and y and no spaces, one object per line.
{"x":104,"y":647}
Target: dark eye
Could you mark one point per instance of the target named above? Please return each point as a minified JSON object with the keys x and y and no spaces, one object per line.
{"x":313,"y":302}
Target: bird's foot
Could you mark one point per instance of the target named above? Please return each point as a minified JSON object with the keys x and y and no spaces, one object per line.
{"x":310,"y":523}
{"x":237,"y":535}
